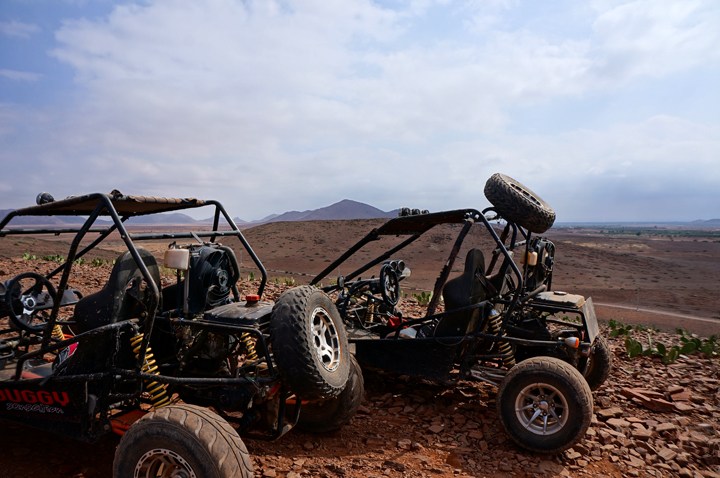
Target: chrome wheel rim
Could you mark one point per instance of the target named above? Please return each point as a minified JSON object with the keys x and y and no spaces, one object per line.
{"x":325,"y":339}
{"x":541,"y":409}
{"x":163,"y":463}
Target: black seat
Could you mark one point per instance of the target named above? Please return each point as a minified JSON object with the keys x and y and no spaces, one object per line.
{"x":125,"y":296}
{"x":467,"y":289}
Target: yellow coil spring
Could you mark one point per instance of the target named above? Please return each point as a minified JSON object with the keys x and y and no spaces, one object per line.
{"x":157,"y":391}
{"x":57,"y":333}
{"x":504,"y":347}
{"x":249,"y":342}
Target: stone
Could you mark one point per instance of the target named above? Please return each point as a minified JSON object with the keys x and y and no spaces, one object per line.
{"x":665,"y":427}
{"x":667,"y":454}
{"x":613,"y":412}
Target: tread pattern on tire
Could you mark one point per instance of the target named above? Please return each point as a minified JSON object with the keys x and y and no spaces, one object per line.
{"x":559,"y":368}
{"x":518,"y":203}
{"x":335,"y":415}
{"x":221,"y":441}
{"x":600,"y":364}
{"x":292,"y":346}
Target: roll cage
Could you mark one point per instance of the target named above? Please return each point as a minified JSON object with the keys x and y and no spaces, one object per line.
{"x":91,"y":212}
{"x":415,"y":226}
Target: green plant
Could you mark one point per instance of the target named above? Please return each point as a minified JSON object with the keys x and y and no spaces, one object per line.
{"x":251,"y":276}
{"x":617,"y":328}
{"x":54,"y":258}
{"x":289,"y":281}
{"x":29,"y":257}
{"x":423,"y":298}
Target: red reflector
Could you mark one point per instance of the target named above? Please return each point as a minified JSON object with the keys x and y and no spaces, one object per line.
{"x":252,"y":297}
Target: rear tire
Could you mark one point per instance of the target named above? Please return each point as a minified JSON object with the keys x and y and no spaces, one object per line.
{"x":309,"y":343}
{"x":188,"y":439}
{"x":545,"y":405}
{"x":331,"y":415}
{"x":599,"y":364}
{"x":518,"y":204}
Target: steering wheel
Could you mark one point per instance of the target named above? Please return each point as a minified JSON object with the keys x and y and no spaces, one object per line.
{"x":389,"y":285}
{"x":29,"y":299}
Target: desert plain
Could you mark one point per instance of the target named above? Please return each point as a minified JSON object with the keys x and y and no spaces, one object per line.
{"x":658,"y":277}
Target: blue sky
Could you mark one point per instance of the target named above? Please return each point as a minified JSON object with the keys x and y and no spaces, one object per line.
{"x":609,"y":109}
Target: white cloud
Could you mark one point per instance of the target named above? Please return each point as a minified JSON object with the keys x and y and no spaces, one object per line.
{"x":16,"y":75}
{"x":17,"y":29}
{"x":646,"y":37}
{"x":297,"y":104}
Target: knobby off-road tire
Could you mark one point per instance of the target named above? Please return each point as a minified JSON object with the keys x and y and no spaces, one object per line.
{"x":329,"y":415}
{"x":517,"y":203}
{"x":310,"y":344}
{"x":545,"y":405}
{"x":599,"y":364}
{"x":187,"y":439}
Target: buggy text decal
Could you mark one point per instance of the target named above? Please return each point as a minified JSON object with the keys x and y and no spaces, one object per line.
{"x":41,"y":401}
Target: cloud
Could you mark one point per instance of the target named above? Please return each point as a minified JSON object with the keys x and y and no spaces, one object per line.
{"x":644,"y":37}
{"x":297,"y":104}
{"x":17,"y":29}
{"x":19,"y":75}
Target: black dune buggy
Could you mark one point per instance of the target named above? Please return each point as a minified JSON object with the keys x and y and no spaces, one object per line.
{"x":500,"y":323}
{"x":145,"y":361}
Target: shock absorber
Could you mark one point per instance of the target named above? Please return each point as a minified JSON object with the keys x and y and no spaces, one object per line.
{"x":250,"y":350}
{"x":57,"y":333}
{"x":157,"y":391}
{"x":503,"y":346}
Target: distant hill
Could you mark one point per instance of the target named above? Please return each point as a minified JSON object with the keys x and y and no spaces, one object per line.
{"x":341,"y":210}
{"x":345,"y":209}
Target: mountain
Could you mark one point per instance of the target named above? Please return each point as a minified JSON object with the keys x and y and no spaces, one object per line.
{"x":345,"y":209}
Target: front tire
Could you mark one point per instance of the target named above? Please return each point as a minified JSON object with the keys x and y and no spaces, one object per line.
{"x":309,"y":343}
{"x":181,"y":440}
{"x":545,"y":405}
{"x":332,"y":414}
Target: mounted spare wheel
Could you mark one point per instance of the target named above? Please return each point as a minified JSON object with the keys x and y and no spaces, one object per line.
{"x":309,"y":343}
{"x":181,"y":441}
{"x":518,"y":204}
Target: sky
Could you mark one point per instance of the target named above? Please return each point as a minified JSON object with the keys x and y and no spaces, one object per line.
{"x":607,"y":109}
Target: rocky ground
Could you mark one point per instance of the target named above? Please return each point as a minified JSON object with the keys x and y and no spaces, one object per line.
{"x":650,"y":419}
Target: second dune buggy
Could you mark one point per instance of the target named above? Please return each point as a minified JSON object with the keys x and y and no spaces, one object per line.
{"x":499,"y":320}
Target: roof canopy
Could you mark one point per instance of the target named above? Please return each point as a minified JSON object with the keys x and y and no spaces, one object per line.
{"x":126,"y":206}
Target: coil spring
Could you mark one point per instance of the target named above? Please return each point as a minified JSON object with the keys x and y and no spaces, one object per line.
{"x":249,"y":341}
{"x":158,"y":391}
{"x":57,"y":333}
{"x":504,"y":346}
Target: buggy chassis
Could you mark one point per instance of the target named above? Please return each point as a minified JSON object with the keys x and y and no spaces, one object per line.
{"x":494,"y":320}
{"x":83,"y":366}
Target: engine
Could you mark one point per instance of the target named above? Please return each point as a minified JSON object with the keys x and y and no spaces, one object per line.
{"x":210,"y":277}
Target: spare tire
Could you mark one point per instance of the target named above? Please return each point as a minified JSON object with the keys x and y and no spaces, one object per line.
{"x":309,"y":343}
{"x":518,"y":204}
{"x":323,"y":416}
